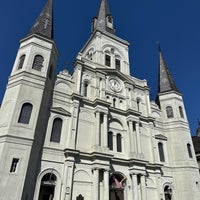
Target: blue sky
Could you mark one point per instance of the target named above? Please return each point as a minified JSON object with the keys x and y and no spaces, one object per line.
{"x":175,"y":23}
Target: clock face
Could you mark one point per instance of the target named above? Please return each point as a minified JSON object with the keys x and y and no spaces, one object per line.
{"x":115,"y":84}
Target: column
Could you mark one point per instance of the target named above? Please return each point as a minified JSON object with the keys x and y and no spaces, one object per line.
{"x":159,"y":186}
{"x":131,"y":136}
{"x":73,"y":132}
{"x":135,"y":187}
{"x":97,"y":128}
{"x":96,"y":184}
{"x":103,"y":86}
{"x":98,"y":87}
{"x":78,"y":83}
{"x":106,"y":185}
{"x":138,"y":137}
{"x":105,"y":131}
{"x":69,"y":177}
{"x":143,"y":187}
{"x":127,"y":97}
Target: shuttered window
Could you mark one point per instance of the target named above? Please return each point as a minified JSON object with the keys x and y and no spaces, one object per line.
{"x":25,"y":113}
{"x":107,"y":60}
{"x":161,"y":152}
{"x":56,"y":130}
{"x":181,"y":112}
{"x":119,"y":143}
{"x":38,"y":62}
{"x":189,"y":150}
{"x":21,"y":62}
{"x":110,"y":140}
{"x":170,"y":113}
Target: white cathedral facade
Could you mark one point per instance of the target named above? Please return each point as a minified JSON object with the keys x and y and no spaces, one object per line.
{"x":93,"y":134}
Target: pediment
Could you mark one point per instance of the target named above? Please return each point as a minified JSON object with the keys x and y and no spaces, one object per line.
{"x":160,"y":137}
{"x":123,"y":77}
{"x":60,"y":110}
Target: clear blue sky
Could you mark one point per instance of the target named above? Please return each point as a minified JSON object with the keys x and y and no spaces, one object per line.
{"x":175,"y":23}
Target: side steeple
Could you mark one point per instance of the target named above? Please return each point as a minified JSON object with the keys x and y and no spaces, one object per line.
{"x":166,"y":82}
{"x":104,"y":20}
{"x":44,"y":23}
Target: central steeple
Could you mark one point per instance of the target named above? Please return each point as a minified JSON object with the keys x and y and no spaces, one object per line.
{"x":104,"y":20}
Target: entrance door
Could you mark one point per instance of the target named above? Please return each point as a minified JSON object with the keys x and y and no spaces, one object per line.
{"x":47,"y":187}
{"x":168,"y":193}
{"x":46,"y":192}
{"x":116,"y":194}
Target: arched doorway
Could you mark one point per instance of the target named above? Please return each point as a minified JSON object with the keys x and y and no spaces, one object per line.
{"x":116,"y":184}
{"x":47,"y":187}
{"x":168,"y":193}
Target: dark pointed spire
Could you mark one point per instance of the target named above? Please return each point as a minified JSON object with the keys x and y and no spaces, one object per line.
{"x":104,"y":20}
{"x":198,"y":129}
{"x":166,"y":82}
{"x":44,"y":24}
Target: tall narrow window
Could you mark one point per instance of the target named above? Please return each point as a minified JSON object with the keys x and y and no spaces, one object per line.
{"x":38,"y":62}
{"x":161,"y":152}
{"x":25,"y":113}
{"x":21,"y":62}
{"x":138,"y":104}
{"x":14,"y":164}
{"x":56,"y":130}
{"x":169,"y":111}
{"x":181,"y":112}
{"x":119,"y":143}
{"x":85,"y":89}
{"x":110,"y":140}
{"x":114,"y":102}
{"x":108,"y":61}
{"x":118,"y":64}
{"x":189,"y":150}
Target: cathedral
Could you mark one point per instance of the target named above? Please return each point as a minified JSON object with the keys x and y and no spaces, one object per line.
{"x":93,"y":134}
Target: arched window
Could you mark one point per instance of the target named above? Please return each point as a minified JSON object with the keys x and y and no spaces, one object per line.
{"x":85,"y":89}
{"x":25,"y":113}
{"x":56,"y":130}
{"x":110,"y":20}
{"x":21,"y":62}
{"x":169,"y":111}
{"x":119,"y":143}
{"x":110,"y":140}
{"x":181,"y":112}
{"x":168,"y":193}
{"x":161,"y":152}
{"x":38,"y":62}
{"x":189,"y":150}
{"x":47,"y":188}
